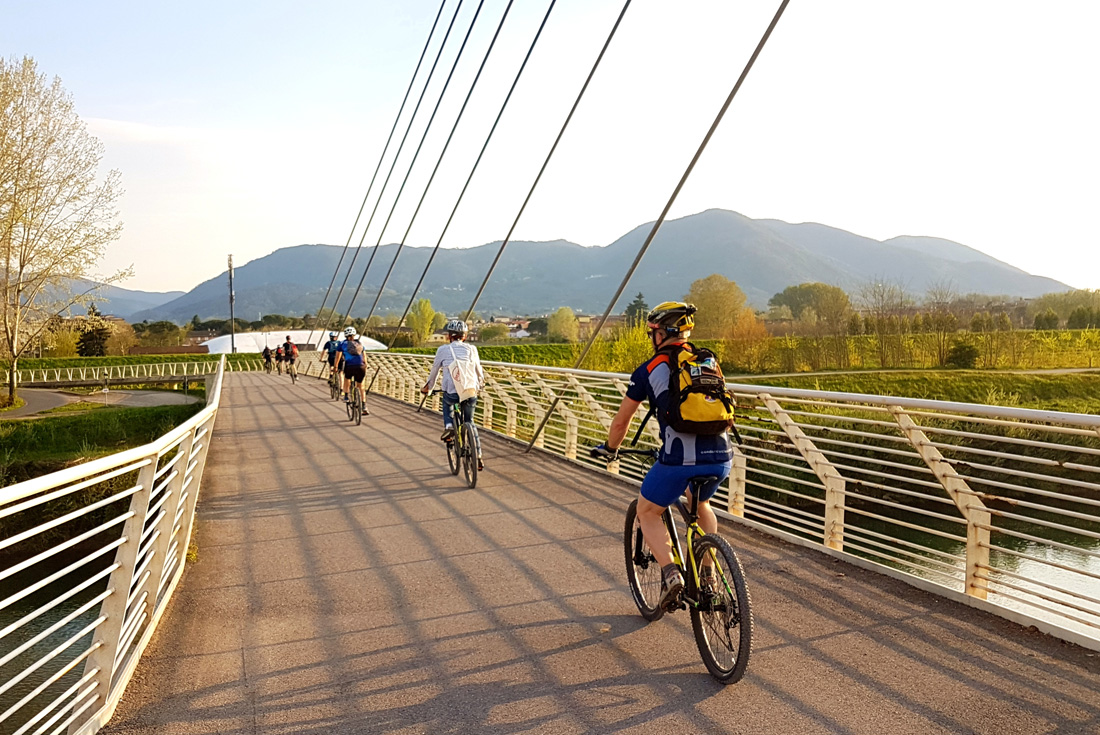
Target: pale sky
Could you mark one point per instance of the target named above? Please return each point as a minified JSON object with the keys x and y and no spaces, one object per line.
{"x":246,"y":126}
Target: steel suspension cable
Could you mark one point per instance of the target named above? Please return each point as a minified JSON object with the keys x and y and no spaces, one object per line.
{"x":412,"y":165}
{"x":473,"y":169}
{"x":393,"y":164}
{"x":385,"y":148}
{"x":439,"y":162}
{"x":576,"y":103}
{"x":664,"y":212}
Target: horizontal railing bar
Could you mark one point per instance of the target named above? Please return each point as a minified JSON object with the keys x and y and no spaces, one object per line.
{"x":60,"y":713}
{"x":57,"y":625}
{"x":11,"y":599}
{"x":1045,"y":598}
{"x":905,"y":524}
{"x":57,"y":601}
{"x":1046,"y":562}
{"x":45,"y":659}
{"x":1001,"y":573}
{"x":1035,"y":539}
{"x":55,"y":550}
{"x":1050,"y":524}
{"x":20,"y":507}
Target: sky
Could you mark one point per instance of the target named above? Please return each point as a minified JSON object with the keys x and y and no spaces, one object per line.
{"x":246,"y":126}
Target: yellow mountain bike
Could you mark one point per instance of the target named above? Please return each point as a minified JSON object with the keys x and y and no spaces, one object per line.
{"x":715,"y":592}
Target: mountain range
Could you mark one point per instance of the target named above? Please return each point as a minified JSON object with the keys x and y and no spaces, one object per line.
{"x":762,"y":256}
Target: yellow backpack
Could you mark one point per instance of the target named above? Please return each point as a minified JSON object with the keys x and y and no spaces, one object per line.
{"x":698,"y":401}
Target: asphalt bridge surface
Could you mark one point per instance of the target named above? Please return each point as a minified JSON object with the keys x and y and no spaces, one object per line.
{"x":346,"y":582}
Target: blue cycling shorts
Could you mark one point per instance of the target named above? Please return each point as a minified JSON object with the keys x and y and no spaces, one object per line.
{"x":665,"y":482}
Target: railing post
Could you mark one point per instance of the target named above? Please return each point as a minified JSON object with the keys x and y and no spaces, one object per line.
{"x":737,"y":480}
{"x":486,"y":409}
{"x":163,"y":541}
{"x":822,"y":467}
{"x":966,"y":500}
{"x":108,"y":636}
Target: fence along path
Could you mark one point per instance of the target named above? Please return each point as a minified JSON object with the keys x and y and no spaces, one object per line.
{"x":347,"y":583}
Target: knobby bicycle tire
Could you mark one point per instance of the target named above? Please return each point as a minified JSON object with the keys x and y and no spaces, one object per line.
{"x":722,"y":622}
{"x":453,"y":459}
{"x":469,"y":454}
{"x":642,"y":570}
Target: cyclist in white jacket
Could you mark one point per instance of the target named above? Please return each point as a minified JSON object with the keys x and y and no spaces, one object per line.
{"x":456,"y":349}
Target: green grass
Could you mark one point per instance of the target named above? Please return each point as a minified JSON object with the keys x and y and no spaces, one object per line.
{"x":1077,"y":393}
{"x":18,"y":403}
{"x":75,"y":407}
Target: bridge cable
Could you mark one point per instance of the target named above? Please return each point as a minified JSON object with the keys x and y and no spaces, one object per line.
{"x":576,"y":103}
{"x":393,"y":164}
{"x":385,"y":148}
{"x":412,"y":164}
{"x":469,"y":178}
{"x":439,"y":161}
{"x":664,"y":212}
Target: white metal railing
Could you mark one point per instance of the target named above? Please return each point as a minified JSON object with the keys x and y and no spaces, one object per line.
{"x":89,"y":557}
{"x":996,"y":507}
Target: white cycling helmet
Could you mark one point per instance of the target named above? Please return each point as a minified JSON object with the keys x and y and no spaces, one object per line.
{"x":456,"y":326}
{"x":349,"y":332}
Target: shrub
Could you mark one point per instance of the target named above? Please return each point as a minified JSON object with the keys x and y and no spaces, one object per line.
{"x":962,"y":356}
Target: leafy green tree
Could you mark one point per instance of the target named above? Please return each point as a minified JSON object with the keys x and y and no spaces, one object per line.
{"x":1081,"y":318}
{"x":637,"y":310}
{"x":1046,"y":319}
{"x":720,"y":302}
{"x":492,"y":333}
{"x":562,"y":326}
{"x":538,"y":327}
{"x":93,"y":342}
{"x":421,"y":320}
{"x":830,"y":302}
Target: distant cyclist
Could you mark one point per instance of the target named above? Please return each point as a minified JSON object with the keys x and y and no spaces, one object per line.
{"x":290,"y":354}
{"x":355,"y":365}
{"x":329,"y":351}
{"x":456,"y":349}
{"x":682,"y":456}
{"x":267,"y":358}
{"x":279,"y":358}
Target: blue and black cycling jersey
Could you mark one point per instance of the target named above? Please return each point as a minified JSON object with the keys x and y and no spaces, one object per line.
{"x":332,"y":347}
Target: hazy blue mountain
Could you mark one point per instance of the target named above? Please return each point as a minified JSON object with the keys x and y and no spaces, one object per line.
{"x":762,"y":256}
{"x":121,"y":302}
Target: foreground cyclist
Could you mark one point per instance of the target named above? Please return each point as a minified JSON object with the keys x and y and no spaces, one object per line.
{"x":355,"y":365}
{"x":682,"y":456}
{"x":456,"y":350}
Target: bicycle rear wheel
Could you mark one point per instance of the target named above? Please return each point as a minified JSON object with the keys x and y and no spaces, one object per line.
{"x":723,"y":620}
{"x":642,"y":570}
{"x":469,"y":454}
{"x":358,"y":409}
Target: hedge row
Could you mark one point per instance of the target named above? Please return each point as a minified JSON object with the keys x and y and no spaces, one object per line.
{"x":552,"y":355}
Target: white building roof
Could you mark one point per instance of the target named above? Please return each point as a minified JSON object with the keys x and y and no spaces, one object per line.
{"x":255,"y":341}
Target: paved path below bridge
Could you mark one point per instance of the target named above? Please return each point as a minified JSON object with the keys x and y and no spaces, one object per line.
{"x":347,"y":583}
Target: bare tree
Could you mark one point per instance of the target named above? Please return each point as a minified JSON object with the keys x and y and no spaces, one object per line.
{"x":940,"y":321}
{"x":56,"y":219}
{"x":884,"y":303}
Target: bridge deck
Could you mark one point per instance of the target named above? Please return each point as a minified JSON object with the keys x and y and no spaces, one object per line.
{"x":347,"y":583}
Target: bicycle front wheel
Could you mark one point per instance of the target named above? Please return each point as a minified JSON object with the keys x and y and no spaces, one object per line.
{"x":453,"y":459}
{"x":358,"y":403}
{"x":722,"y":622}
{"x":469,"y":455}
{"x":642,"y":570}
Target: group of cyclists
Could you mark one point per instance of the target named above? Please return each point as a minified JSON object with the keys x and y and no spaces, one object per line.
{"x":284,"y":355}
{"x":681,"y":457}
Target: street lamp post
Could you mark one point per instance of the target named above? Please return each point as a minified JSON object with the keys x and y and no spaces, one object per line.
{"x":232,"y":321}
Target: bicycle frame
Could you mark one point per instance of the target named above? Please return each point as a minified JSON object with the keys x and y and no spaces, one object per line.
{"x":692,"y":530}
